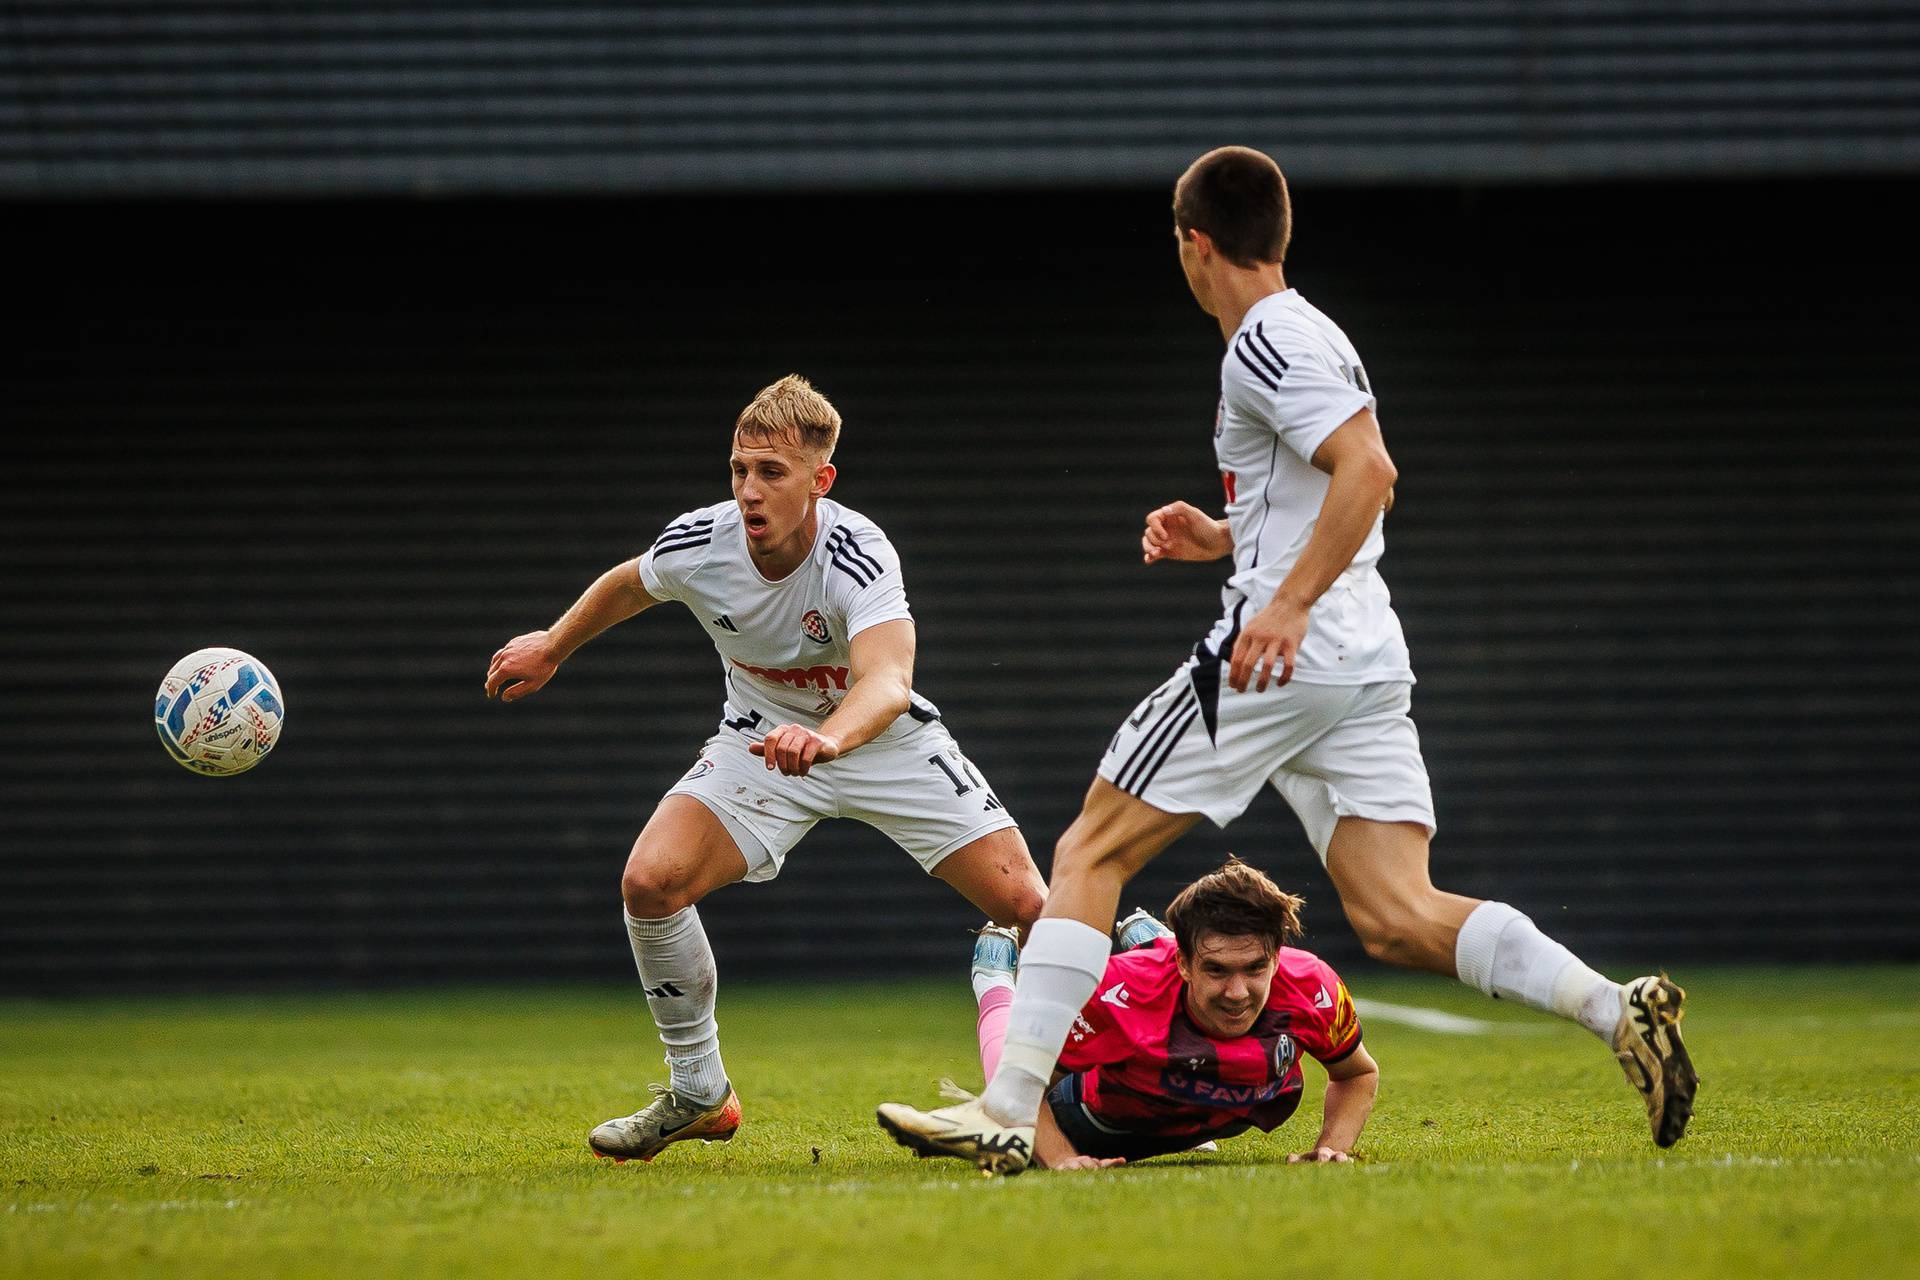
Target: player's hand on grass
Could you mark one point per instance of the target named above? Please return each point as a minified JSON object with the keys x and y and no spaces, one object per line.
{"x":794,"y":749}
{"x":1266,"y":648}
{"x":522,"y":666}
{"x":1182,"y":531}
{"x":1088,"y":1162}
{"x":1320,"y":1155}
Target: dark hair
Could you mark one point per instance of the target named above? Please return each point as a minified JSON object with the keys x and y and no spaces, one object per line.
{"x":1239,"y":197}
{"x":1235,"y":901}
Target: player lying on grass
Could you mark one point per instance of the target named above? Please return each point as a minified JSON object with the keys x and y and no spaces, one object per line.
{"x":804,"y":600}
{"x":1194,"y":1034}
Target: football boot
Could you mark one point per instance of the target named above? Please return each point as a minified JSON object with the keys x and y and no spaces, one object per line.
{"x":964,"y":1131}
{"x":1646,"y":1040}
{"x":996,"y":956}
{"x":1140,"y":929}
{"x":668,"y":1119}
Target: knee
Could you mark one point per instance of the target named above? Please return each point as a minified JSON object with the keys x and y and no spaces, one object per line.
{"x":652,"y":891}
{"x":1025,"y":905}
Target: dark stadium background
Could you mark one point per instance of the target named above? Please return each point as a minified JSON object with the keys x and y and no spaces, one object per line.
{"x":363,"y":339}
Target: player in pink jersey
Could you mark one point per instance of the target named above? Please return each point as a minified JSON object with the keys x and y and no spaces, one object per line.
{"x":1192,"y":1035}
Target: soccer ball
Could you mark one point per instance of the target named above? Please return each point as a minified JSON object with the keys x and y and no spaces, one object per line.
{"x":219,"y":711}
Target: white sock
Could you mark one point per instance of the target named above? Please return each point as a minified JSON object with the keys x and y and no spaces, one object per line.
{"x":1060,"y":967}
{"x":1500,"y":952}
{"x":676,"y":969}
{"x":985,"y":982}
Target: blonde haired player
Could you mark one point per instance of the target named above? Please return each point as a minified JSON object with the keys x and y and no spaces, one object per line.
{"x":804,"y":600}
{"x":1304,"y":684}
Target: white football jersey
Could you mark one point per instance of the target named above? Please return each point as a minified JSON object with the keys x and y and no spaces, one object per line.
{"x":783,"y":645}
{"x":1289,"y":379}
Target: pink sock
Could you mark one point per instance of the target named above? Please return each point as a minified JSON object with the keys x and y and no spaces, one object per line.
{"x":995,"y":1004}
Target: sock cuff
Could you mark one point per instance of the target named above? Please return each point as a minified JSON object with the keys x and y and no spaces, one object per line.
{"x":1479,"y":935}
{"x":694,"y":1052}
{"x":665,"y":926}
{"x":1067,"y":944}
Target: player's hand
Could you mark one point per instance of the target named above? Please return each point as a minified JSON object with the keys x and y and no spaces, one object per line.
{"x":1088,"y":1162}
{"x":1320,"y":1155}
{"x":794,"y":749}
{"x":1267,"y":647}
{"x":1182,"y":531}
{"x":522,"y":666}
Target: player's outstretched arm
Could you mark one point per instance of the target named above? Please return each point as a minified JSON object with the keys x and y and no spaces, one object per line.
{"x":1182,"y":531}
{"x":1363,"y":476}
{"x":527,"y":662}
{"x":1352,"y":1083}
{"x":879,"y":688}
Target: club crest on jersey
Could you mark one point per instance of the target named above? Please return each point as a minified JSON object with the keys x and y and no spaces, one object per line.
{"x":815,"y":626}
{"x":1284,"y":1055}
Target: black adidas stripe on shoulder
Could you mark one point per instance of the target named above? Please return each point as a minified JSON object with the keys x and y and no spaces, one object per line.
{"x":853,"y":570}
{"x":842,"y":542}
{"x":1260,"y":335}
{"x":1255,"y":360}
{"x":687,"y":528}
{"x":1253,"y":368}
{"x":665,"y":548}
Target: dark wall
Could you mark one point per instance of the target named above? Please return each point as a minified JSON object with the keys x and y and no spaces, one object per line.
{"x":467,"y":96}
{"x":1654,"y":549}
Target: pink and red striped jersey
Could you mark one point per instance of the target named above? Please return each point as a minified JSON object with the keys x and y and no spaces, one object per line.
{"x":1145,"y":1066}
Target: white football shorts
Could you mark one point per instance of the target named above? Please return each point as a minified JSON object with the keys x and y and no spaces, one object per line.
{"x":1333,"y":751}
{"x":917,"y":789}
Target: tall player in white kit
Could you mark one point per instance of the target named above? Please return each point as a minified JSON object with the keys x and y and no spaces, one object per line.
{"x":804,"y":600}
{"x":1304,"y":684}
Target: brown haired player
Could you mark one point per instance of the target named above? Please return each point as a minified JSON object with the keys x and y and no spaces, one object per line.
{"x":804,"y":600}
{"x":1304,"y":684}
{"x":1193,"y":1035}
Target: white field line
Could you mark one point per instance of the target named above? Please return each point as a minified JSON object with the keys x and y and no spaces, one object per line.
{"x":1446,"y":1024}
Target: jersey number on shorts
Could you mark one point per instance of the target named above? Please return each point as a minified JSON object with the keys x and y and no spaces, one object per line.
{"x":1139,"y":717}
{"x":964,"y":785}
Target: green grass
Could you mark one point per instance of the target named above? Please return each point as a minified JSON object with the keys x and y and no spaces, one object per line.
{"x":443,"y":1134}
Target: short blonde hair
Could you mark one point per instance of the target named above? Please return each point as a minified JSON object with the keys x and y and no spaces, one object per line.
{"x":792,"y":412}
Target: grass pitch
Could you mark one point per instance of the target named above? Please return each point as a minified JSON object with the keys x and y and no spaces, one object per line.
{"x":444,"y":1134}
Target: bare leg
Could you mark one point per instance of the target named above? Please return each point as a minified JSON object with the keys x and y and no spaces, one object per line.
{"x":682,"y":855}
{"x":996,"y":874}
{"x":1107,"y":845}
{"x":1380,"y":871}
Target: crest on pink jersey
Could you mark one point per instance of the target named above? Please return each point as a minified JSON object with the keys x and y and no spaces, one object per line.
{"x":815,"y":626}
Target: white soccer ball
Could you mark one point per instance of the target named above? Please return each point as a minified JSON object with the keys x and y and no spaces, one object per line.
{"x":219,"y":711}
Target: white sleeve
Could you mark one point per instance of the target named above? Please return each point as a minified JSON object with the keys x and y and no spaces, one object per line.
{"x":1296,"y":386}
{"x":864,"y":586}
{"x":674,"y":554}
